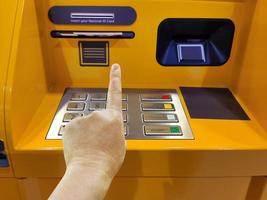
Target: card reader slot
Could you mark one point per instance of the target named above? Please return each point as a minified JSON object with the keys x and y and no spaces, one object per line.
{"x":78,"y":15}
{"x":93,"y":34}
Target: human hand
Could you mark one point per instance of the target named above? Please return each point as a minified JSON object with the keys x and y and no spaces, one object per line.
{"x":96,"y":142}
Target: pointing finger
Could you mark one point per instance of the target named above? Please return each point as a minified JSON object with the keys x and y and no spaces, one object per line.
{"x":114,"y":100}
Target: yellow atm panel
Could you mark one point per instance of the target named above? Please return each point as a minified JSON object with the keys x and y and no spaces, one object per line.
{"x":193,"y":75}
{"x":7,"y":22}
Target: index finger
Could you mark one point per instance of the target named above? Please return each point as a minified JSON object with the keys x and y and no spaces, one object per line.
{"x":114,"y":100}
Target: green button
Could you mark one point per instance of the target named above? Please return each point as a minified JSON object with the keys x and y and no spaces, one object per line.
{"x":175,"y":129}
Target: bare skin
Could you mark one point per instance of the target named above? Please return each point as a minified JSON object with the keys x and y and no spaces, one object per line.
{"x":94,"y":148}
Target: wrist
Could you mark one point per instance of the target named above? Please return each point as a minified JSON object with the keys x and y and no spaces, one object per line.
{"x":95,"y":179}
{"x":100,"y":164}
{"x":86,"y":169}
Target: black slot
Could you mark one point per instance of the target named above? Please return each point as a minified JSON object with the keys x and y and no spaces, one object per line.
{"x":93,"y":34}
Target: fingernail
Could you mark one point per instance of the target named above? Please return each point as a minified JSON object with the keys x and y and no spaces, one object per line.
{"x":115,"y":67}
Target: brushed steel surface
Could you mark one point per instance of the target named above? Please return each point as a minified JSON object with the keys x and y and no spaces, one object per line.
{"x":134,"y":125}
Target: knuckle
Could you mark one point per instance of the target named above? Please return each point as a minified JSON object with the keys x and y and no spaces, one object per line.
{"x":116,"y":116}
{"x":97,"y":115}
{"x":73,"y":124}
{"x":115,"y":90}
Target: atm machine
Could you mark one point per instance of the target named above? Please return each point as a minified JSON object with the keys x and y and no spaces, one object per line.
{"x":194,"y":100}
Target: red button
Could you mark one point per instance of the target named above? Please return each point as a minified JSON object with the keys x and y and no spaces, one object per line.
{"x":165,"y":97}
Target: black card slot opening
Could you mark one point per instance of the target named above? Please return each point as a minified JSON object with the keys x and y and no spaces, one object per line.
{"x":93,"y":34}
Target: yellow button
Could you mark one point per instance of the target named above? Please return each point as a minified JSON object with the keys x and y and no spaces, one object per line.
{"x":167,"y":106}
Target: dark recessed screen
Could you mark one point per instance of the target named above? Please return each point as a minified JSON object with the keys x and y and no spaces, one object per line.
{"x":212,"y":103}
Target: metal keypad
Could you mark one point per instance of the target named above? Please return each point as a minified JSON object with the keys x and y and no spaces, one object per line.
{"x":124,"y":106}
{"x":70,"y":116}
{"x":124,"y":114}
{"x":163,"y":130}
{"x":97,"y":106}
{"x":60,"y":132}
{"x":156,"y":97}
{"x":98,"y":96}
{"x":76,"y":106}
{"x":147,"y":114}
{"x":124,"y":97}
{"x":80,"y":96}
{"x":125,"y":129}
{"x":159,"y":118}
{"x":157,"y":107}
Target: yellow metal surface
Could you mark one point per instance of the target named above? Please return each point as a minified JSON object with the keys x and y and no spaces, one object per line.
{"x":7,"y":19}
{"x":251,"y":82}
{"x":138,"y":56}
{"x":153,"y":188}
{"x":179,"y":188}
{"x":257,"y":189}
{"x":9,"y":189}
{"x":264,"y":192}
{"x":41,"y":67}
{"x":225,"y":153}
{"x":209,"y":134}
